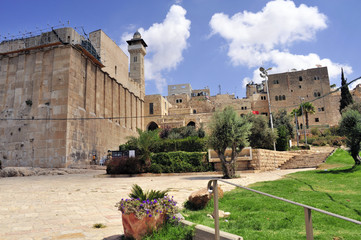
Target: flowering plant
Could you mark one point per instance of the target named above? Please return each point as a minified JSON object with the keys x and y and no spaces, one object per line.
{"x":166,"y":206}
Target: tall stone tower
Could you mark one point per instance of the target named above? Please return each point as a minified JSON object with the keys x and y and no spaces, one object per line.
{"x":137,"y":51}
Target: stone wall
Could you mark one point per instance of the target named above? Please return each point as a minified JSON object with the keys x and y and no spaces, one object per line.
{"x":266,"y":160}
{"x":262,"y":160}
{"x":47,"y":86}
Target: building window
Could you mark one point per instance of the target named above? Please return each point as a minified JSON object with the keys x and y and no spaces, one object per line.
{"x":275,"y":82}
{"x":316,"y":78}
{"x":276,"y":98}
{"x":178,"y":100}
{"x":245,"y":108}
{"x":135,"y":59}
{"x":316,"y":94}
{"x":242,"y":108}
{"x":151,"y":109}
{"x":194,"y":111}
{"x":283,"y":97}
{"x":300,"y":78}
{"x":299,"y":86}
{"x":264,"y":113}
{"x":115,"y":70}
{"x":322,"y":109}
{"x":317,"y":120}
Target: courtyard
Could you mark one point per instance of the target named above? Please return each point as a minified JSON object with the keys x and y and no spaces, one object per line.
{"x":67,"y":206}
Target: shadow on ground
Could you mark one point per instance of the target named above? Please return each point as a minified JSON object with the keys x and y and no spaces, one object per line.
{"x":114,"y":237}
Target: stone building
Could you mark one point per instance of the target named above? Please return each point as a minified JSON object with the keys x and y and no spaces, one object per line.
{"x":65,"y":98}
{"x":184,"y":106}
{"x":287,"y":91}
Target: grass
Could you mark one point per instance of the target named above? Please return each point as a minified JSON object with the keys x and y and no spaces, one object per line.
{"x":255,"y":216}
{"x":171,"y":231}
{"x":99,"y":225}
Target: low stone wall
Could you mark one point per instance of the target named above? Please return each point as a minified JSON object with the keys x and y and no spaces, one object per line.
{"x":261,"y":160}
{"x":266,"y":160}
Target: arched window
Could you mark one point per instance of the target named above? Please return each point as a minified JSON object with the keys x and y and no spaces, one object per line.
{"x":300,"y":78}
{"x":276,"y":97}
{"x":191,"y":124}
{"x":152,"y":126}
{"x":283,"y":97}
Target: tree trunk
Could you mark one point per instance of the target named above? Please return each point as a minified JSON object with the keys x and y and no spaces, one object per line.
{"x":306,"y":120}
{"x":356,"y":158}
{"x":228,"y":167}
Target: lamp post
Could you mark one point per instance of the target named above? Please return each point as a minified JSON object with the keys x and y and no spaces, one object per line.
{"x":264,"y":74}
{"x":303,"y":120}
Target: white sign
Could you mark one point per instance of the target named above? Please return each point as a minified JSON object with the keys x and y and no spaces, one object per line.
{"x":131,"y":153}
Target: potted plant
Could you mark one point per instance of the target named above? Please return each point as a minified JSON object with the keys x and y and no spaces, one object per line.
{"x":144,"y":212}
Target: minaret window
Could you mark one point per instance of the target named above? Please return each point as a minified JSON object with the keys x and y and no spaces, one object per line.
{"x":115,"y":70}
{"x":135,"y":59}
{"x":151,"y":109}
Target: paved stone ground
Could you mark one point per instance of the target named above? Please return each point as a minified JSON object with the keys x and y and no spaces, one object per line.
{"x":67,"y":206}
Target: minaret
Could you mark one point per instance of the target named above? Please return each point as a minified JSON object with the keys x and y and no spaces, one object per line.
{"x":137,"y":51}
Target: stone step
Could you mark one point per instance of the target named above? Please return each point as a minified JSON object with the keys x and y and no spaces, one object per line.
{"x":313,"y":158}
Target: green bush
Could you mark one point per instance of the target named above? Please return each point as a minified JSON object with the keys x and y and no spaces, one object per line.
{"x":283,"y":137}
{"x":175,"y":162}
{"x":190,"y":144}
{"x":315,"y":131}
{"x":125,"y":165}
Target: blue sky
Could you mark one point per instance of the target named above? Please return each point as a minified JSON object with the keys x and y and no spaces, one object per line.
{"x":211,"y":42}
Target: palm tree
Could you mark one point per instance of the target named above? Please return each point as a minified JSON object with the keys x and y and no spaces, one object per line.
{"x":306,"y":108}
{"x":144,"y":142}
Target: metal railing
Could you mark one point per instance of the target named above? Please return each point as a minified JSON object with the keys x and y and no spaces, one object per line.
{"x":213,"y":188}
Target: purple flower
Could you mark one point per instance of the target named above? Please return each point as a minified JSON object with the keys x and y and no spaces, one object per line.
{"x":173,"y":217}
{"x":150,"y":215}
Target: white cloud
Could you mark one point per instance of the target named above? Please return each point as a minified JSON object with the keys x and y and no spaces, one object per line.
{"x":166,"y":42}
{"x":263,"y":38}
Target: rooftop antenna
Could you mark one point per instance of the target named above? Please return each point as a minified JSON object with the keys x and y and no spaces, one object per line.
{"x":219,"y":89}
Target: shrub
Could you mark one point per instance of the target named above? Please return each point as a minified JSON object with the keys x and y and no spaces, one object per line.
{"x":335,"y":130}
{"x":315,"y":131}
{"x":337,"y":141}
{"x":283,"y":137}
{"x":172,"y":162}
{"x":190,"y":144}
{"x":125,"y":165}
{"x":320,"y":142}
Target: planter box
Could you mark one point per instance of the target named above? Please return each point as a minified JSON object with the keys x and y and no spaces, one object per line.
{"x":137,"y":228}
{"x":207,"y":233}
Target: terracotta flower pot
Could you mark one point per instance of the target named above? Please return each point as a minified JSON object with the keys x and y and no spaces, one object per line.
{"x":137,"y":228}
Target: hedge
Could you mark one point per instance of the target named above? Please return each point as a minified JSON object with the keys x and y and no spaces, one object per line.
{"x":190,"y":144}
{"x":125,"y":165}
{"x":176,"y":162}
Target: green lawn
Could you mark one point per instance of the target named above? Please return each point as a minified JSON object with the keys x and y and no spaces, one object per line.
{"x":254,"y":216}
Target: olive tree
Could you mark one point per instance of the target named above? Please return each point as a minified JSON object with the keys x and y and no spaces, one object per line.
{"x":228,"y":130}
{"x":350,"y":126}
